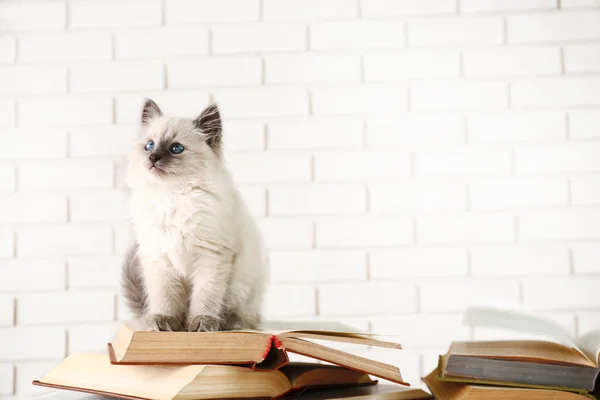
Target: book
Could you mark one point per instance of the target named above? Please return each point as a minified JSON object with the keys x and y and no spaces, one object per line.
{"x":368,"y":392}
{"x":94,"y":373}
{"x":263,"y":350}
{"x":558,"y":361}
{"x":443,"y":390}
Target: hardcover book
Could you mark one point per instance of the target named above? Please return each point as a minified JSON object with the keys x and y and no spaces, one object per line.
{"x":260,"y":350}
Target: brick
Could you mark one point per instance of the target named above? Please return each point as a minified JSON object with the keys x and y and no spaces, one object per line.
{"x":581,"y":58}
{"x":520,"y":260}
{"x":517,"y":126}
{"x":518,"y":193}
{"x":32,"y":15}
{"x":66,"y":174}
{"x":317,"y":199}
{"x":456,"y":96}
{"x":553,"y":27}
{"x":270,"y":167}
{"x":255,"y":199}
{"x":472,"y":227}
{"x":466,"y":161}
{"x":23,"y":343}
{"x":7,"y":379}
{"x":65,"y":110}
{"x":541,"y":293}
{"x":585,"y":190}
{"x":263,"y":102}
{"x":312,"y":68}
{"x":363,"y":231}
{"x":91,"y":338}
{"x":123,"y":237}
{"x":455,"y":31}
{"x":568,"y":157}
{"x":7,"y":243}
{"x":456,"y":295}
{"x":206,"y":11}
{"x":117,"y":76}
{"x":574,"y":224}
{"x":509,"y":61}
{"x":27,"y":372}
{"x":315,"y":133}
{"x":64,"y":240}
{"x":129,"y":13}
{"x":163,"y":42}
{"x":211,"y":71}
{"x":94,"y":272}
{"x":300,"y":10}
{"x":349,"y":35}
{"x":287,"y":233}
{"x":567,"y":92}
{"x":33,"y":208}
{"x":361,"y":165}
{"x":418,"y":196}
{"x":7,"y":311}
{"x":584,"y":124}
{"x":363,"y":99}
{"x":578,"y":3}
{"x":586,"y":258}
{"x":123,"y":312}
{"x":387,"y":264}
{"x":34,"y":143}
{"x":317,"y":266}
{"x":300,"y":301}
{"x":33,"y":80}
{"x":411,"y":65}
{"x":587,"y":321}
{"x":243,"y":135}
{"x":483,"y":6}
{"x":7,"y":113}
{"x":188,"y":104}
{"x":8,"y":50}
{"x":71,"y":46}
{"x":97,"y":206}
{"x":255,"y":38}
{"x":49,"y":308}
{"x":391,"y":8}
{"x":17,"y":275}
{"x":415,"y":330}
{"x":341,"y":299}
{"x":116,"y":140}
{"x":7,"y":178}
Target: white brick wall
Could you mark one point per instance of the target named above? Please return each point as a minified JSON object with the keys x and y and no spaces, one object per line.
{"x":404,"y":159}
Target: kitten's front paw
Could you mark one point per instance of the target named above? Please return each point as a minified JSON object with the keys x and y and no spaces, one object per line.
{"x":202,"y":323}
{"x":159,"y":322}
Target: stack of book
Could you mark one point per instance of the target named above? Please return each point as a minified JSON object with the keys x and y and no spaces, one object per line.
{"x":236,"y":364}
{"x":557,"y":367}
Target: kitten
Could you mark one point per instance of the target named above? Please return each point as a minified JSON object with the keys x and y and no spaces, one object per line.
{"x":197,"y":263}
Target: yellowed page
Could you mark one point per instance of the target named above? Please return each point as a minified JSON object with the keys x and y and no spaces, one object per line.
{"x":590,"y":344}
{"x":94,"y":371}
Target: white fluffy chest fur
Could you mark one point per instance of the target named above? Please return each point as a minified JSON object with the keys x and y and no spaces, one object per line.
{"x":180,"y":225}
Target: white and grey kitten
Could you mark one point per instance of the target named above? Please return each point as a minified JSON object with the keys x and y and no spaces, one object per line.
{"x":197,"y":263}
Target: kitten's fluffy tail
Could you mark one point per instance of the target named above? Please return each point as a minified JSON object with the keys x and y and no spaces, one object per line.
{"x":132,"y":282}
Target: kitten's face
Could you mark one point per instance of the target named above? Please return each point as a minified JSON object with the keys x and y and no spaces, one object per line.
{"x":174,"y":150}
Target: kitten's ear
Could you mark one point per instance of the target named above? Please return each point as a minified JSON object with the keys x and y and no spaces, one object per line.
{"x":150,"y":111}
{"x":209,"y":122}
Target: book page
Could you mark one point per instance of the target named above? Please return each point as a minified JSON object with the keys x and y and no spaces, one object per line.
{"x":518,"y":322}
{"x":590,"y":344}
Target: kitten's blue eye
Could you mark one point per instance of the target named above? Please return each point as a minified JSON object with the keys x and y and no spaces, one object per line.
{"x":176,"y":148}
{"x":149,"y":145}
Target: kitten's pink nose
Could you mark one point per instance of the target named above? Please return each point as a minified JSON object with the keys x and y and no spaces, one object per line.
{"x":154,"y":157}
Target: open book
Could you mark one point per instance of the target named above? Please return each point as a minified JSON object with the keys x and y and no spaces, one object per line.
{"x":560,"y":361}
{"x":94,"y":373}
{"x":463,"y":391}
{"x":261,"y":350}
